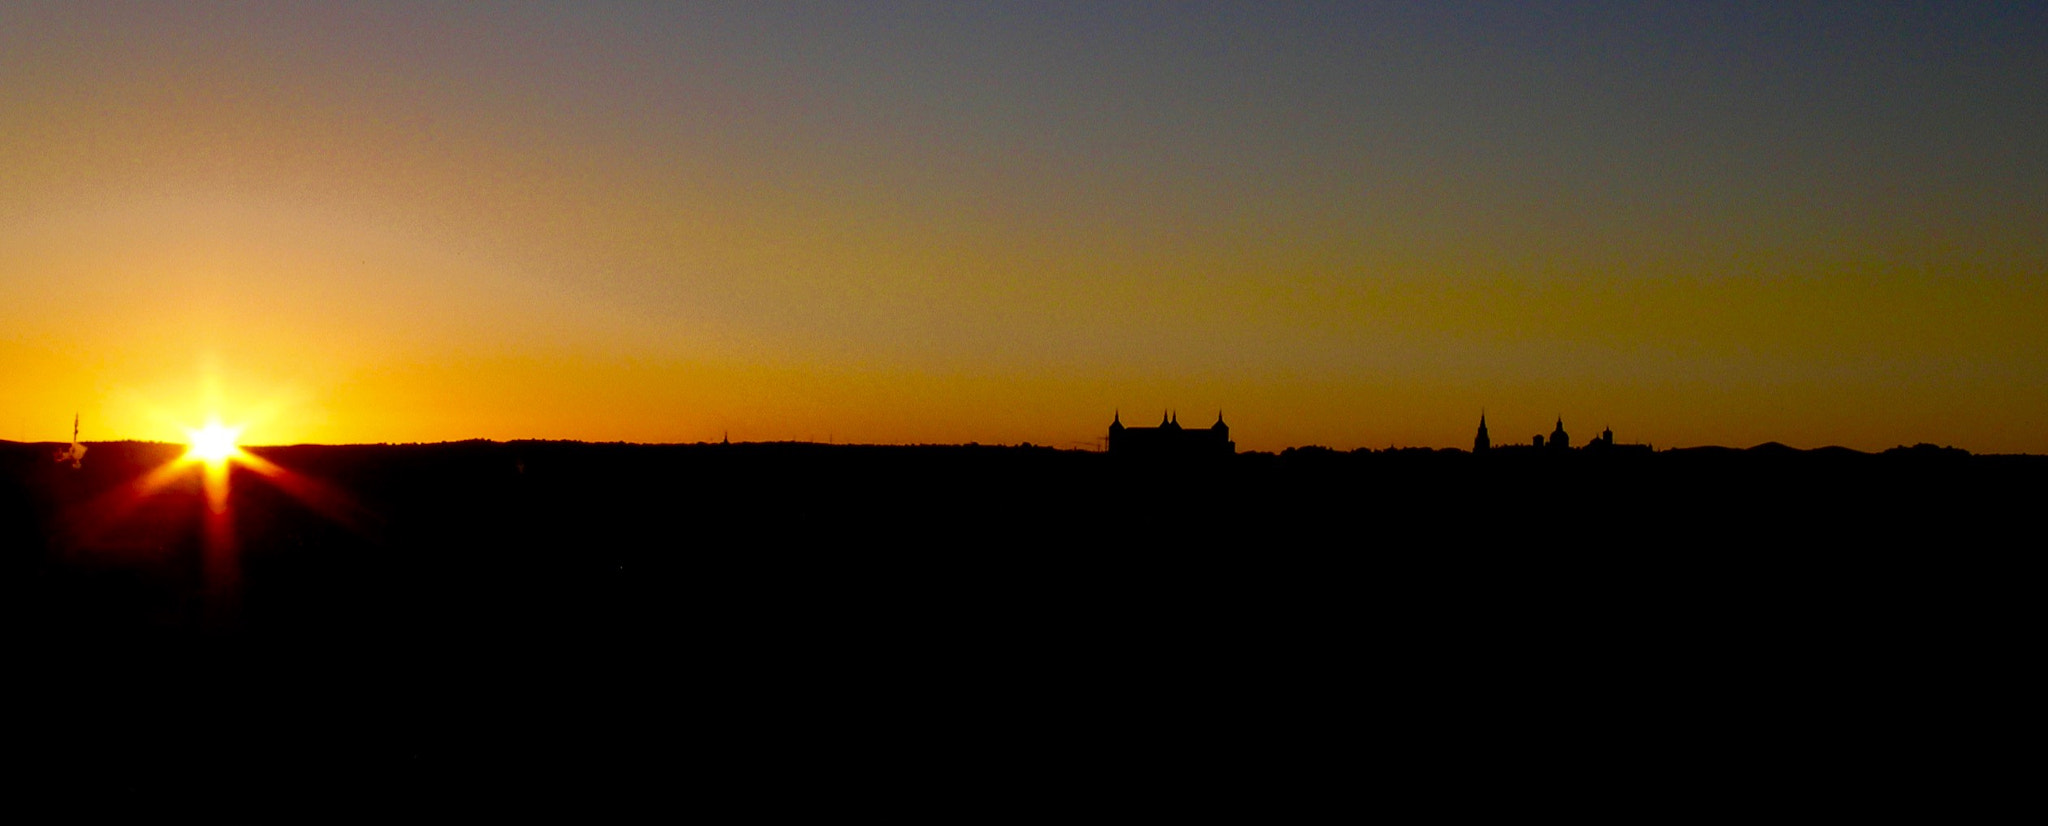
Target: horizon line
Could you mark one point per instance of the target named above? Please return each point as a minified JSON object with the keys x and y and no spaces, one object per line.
{"x":1511,"y":447}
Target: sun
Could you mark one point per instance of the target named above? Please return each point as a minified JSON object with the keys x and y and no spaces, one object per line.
{"x":213,"y":444}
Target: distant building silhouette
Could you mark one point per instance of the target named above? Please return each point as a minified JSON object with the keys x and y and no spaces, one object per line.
{"x":1558,"y":442}
{"x":1169,"y":439}
{"x":1605,"y":444}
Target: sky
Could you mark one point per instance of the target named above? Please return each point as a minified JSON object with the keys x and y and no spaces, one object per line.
{"x":1349,"y":224}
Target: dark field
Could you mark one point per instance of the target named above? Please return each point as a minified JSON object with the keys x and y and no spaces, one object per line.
{"x":874,"y":622}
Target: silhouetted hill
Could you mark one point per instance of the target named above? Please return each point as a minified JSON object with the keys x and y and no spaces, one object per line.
{"x":479,"y":601}
{"x":1702,"y":450}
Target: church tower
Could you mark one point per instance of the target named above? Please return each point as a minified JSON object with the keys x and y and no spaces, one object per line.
{"x":1480,"y":443}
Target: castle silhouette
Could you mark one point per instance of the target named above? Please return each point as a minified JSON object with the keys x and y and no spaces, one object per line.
{"x":1169,"y":439}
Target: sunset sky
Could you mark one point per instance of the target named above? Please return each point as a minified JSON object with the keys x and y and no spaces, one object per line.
{"x":1351,"y":224}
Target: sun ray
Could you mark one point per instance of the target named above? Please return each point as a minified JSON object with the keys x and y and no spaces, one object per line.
{"x":213,"y":444}
{"x":214,"y":452}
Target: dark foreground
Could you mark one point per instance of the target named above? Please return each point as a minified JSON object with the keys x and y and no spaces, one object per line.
{"x":804,"y":625}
